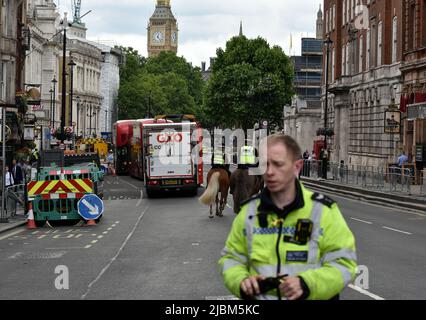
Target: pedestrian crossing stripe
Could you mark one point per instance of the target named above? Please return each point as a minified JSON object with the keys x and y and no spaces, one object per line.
{"x":60,"y":187}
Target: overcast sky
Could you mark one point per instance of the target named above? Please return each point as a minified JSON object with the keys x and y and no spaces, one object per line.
{"x":204,"y":25}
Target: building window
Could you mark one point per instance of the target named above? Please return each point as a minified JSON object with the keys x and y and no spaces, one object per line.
{"x":344,"y":12}
{"x":379,"y":44}
{"x":424,"y":23}
{"x":361,"y":53}
{"x":394,"y":39}
{"x":343,"y":61}
{"x":326,"y":21}
{"x":3,"y":81}
{"x":368,"y":51}
{"x":334,"y":17}
{"x":411,"y":27}
{"x":348,"y":69}
{"x":348,"y":11}
{"x":333,"y":64}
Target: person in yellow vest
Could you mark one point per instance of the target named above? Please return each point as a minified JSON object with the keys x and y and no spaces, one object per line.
{"x":247,"y":157}
{"x":288,"y":242}
{"x":218,"y":160}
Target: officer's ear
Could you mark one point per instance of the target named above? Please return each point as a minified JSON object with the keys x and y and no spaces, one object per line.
{"x":298,"y":165}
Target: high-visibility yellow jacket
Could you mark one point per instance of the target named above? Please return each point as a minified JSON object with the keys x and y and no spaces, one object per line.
{"x":247,"y":155}
{"x":326,"y":263}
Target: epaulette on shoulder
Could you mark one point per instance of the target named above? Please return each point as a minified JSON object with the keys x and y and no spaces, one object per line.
{"x":255,"y":197}
{"x":327,"y":201}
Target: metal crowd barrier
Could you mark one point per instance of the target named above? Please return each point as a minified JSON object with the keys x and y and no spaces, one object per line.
{"x":393,"y":179}
{"x":14,"y":200}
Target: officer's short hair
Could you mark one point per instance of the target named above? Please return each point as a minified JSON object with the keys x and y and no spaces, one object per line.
{"x":291,"y":145}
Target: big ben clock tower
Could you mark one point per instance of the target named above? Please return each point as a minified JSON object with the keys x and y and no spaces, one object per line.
{"x":162,"y":30}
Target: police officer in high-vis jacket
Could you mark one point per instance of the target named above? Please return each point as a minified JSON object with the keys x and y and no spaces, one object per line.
{"x":247,"y":157}
{"x":218,"y":160}
{"x":288,"y":234}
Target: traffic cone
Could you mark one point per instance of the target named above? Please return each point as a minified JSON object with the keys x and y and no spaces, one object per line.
{"x":91,"y":222}
{"x":30,"y":222}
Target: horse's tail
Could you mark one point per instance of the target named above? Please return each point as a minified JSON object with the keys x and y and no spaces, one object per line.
{"x":209,"y":196}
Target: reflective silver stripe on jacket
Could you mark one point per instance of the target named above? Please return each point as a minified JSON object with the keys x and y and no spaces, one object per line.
{"x":239,"y":257}
{"x":314,"y":241}
{"x":290,"y":269}
{"x":339,"y":254}
{"x":230,"y":263}
{"x":251,"y":213}
{"x":347,"y":277}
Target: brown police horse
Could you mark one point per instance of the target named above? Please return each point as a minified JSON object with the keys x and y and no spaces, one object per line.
{"x":217,"y":181}
{"x":244,"y":186}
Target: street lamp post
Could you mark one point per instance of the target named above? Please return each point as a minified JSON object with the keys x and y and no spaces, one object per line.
{"x":328,"y":42}
{"x":71,"y":64}
{"x":90,"y":115}
{"x":64,"y":78}
{"x":51,"y":107}
{"x":78,"y":112}
{"x":54,"y":82}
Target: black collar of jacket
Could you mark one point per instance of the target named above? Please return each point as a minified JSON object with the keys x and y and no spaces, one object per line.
{"x":267,"y":206}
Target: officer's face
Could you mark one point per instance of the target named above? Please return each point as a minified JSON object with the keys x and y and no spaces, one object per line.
{"x":282,"y":168}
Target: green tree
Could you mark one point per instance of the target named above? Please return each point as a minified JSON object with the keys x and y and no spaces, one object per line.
{"x":165,"y":84}
{"x":250,"y":81}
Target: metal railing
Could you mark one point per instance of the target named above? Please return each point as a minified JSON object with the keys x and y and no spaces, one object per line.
{"x":14,"y":201}
{"x":392,"y":179}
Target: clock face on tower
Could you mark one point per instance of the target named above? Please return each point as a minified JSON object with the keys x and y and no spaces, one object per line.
{"x":157,"y":36}
{"x":174,"y":36}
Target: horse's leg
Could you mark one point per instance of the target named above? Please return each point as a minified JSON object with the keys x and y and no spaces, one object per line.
{"x":211,"y":216}
{"x":217,"y":205}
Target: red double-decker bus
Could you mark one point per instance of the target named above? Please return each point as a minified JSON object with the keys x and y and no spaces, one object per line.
{"x":123,"y":134}
{"x":137,"y":149}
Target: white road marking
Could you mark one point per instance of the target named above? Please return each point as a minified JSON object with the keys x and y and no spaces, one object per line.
{"x":140,"y":199}
{"x":114,"y":225}
{"x":396,"y":230}
{"x":116,"y":256}
{"x":42,"y":236}
{"x":132,"y":185}
{"x":88,"y":246}
{"x":117,"y":222}
{"x":228,"y":206}
{"x":366,"y":202}
{"x":105,"y":232}
{"x":109,"y":229}
{"x":100,"y":237}
{"x":365,"y":292}
{"x":367,"y":222}
{"x":35,"y":232}
{"x":94,"y":241}
{"x":11,"y":234}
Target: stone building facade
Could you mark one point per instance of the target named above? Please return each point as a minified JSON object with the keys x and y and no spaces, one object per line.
{"x":42,"y":59}
{"x":13,"y":44}
{"x":365,"y":78}
{"x":413,"y":105}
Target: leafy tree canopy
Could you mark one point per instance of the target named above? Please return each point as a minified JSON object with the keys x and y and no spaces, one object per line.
{"x":165,"y":84}
{"x":250,"y":81}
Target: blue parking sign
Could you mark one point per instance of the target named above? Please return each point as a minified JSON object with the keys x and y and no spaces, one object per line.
{"x":90,"y":207}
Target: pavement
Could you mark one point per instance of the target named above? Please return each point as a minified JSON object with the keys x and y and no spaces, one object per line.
{"x":410,"y":201}
{"x":14,"y":222}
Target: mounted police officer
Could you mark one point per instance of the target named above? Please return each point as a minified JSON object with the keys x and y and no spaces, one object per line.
{"x":219,"y":160}
{"x":295,"y":237}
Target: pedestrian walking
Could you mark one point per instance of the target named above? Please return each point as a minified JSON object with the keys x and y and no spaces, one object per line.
{"x":289,"y":240}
